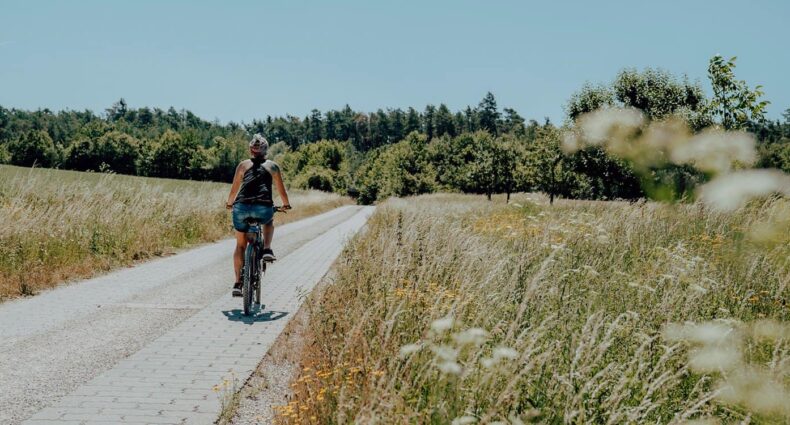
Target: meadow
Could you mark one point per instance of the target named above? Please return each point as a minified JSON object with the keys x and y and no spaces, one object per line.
{"x":59,"y":225}
{"x":453,"y":309}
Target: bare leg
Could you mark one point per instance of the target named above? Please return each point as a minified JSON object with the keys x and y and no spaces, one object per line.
{"x":268,"y":234}
{"x":238,"y":254}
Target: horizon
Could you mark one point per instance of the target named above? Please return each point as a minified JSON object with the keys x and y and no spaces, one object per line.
{"x":244,"y":61}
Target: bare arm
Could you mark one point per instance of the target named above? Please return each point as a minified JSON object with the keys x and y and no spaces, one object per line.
{"x":274,"y":170}
{"x":234,"y":188}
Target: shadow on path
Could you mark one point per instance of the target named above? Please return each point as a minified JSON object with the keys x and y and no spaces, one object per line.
{"x":236,"y":315}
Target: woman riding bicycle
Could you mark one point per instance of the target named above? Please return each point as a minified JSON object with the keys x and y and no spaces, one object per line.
{"x":251,"y":197}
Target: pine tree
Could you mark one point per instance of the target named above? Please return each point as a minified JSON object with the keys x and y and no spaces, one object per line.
{"x":488,"y":114}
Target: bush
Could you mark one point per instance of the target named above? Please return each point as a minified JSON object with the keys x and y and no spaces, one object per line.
{"x":315,"y":177}
{"x":35,"y":147}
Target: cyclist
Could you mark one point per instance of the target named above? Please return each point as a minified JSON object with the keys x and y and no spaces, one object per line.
{"x":251,"y":197}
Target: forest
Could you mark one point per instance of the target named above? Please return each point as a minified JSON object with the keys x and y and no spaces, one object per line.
{"x":396,"y":152}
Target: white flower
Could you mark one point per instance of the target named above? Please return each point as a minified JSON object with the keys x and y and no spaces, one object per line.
{"x":410,"y":349}
{"x":505,"y":353}
{"x":599,"y":126}
{"x":450,"y":368}
{"x":709,"y":333}
{"x":472,"y":336}
{"x":445,"y":352}
{"x":713,"y":359}
{"x":570,"y":143}
{"x":715,"y":150}
{"x":729,"y":192}
{"x":699,"y":288}
{"x":443,"y":324}
{"x":464,"y":420}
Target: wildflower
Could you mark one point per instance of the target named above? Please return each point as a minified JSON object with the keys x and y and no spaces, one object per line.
{"x":410,"y":349}
{"x":729,"y":192}
{"x":755,"y":389}
{"x":699,"y":288}
{"x":443,"y":324}
{"x":445,"y":352}
{"x":505,"y":353}
{"x":450,"y":368}
{"x":716,"y":150}
{"x":713,"y":359}
{"x":706,"y":333}
{"x":605,"y":124}
{"x":464,"y":420}
{"x":472,"y":336}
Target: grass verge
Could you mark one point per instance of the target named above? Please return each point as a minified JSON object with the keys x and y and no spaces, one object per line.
{"x":451,"y":309}
{"x":58,"y":225}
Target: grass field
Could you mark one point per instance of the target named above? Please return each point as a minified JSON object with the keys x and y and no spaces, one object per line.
{"x":58,"y":225}
{"x":451,"y":309}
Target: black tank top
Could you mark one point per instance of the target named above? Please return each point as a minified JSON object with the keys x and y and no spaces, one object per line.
{"x":256,"y":186}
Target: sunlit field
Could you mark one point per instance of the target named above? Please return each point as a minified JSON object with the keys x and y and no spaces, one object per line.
{"x":452,"y":309}
{"x":58,"y":225}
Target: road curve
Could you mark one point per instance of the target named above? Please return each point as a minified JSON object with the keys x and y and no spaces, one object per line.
{"x":150,"y":333}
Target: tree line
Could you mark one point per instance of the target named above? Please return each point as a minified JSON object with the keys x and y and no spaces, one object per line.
{"x":395,"y":152}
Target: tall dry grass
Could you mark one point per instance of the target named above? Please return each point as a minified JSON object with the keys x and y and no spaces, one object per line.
{"x":450,"y":309}
{"x":58,"y":225}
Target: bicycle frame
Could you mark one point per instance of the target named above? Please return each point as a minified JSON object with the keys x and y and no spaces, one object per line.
{"x":253,"y":266}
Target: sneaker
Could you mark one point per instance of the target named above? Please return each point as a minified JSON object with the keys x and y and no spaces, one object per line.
{"x":268,"y":255}
{"x":237,"y":289}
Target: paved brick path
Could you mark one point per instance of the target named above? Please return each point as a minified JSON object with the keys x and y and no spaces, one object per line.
{"x":172,"y":379}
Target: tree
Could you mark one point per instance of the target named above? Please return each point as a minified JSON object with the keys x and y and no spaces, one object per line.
{"x":400,"y":169}
{"x":492,"y":169}
{"x":315,"y":126}
{"x":734,"y":103}
{"x":443,"y":122}
{"x":114,"y":150}
{"x":412,"y":121}
{"x":429,"y":121}
{"x":117,"y":111}
{"x":513,"y":122}
{"x":488,"y":115}
{"x":173,"y":156}
{"x":588,"y":99}
{"x":397,"y":120}
{"x":472,"y":120}
{"x":321,"y":166}
{"x":34,"y":147}
{"x":5,"y":121}
{"x":380,"y":128}
{"x":659,"y":94}
{"x":119,"y":151}
{"x":775,"y":155}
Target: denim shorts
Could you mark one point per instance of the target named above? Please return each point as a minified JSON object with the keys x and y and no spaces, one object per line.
{"x":241,"y":212}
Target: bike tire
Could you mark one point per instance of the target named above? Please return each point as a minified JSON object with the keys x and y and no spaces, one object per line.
{"x":249,"y":275}
{"x":261,"y":271}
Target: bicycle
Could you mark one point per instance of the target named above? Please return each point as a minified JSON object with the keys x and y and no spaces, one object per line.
{"x":253,"y":266}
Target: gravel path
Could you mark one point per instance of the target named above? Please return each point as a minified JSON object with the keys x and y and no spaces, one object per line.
{"x":63,"y":348}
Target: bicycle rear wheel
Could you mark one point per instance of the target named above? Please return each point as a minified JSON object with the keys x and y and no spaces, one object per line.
{"x":259,"y":276}
{"x":248,"y":276}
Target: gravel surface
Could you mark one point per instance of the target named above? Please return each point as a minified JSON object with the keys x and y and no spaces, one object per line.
{"x":54,"y":342}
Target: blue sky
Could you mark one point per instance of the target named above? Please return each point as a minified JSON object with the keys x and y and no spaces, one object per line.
{"x":239,"y":60}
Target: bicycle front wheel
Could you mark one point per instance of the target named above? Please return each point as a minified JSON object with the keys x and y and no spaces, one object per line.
{"x":249,"y":275}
